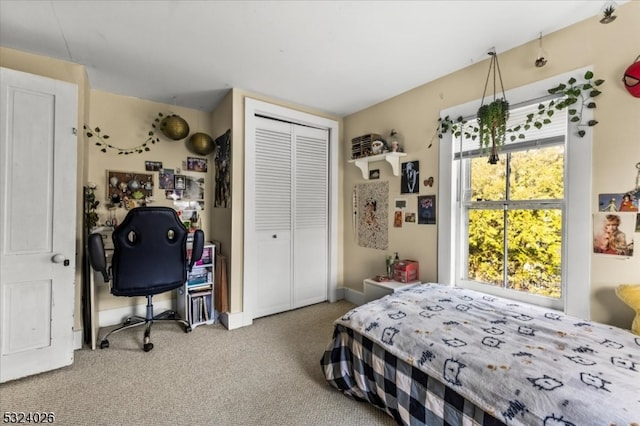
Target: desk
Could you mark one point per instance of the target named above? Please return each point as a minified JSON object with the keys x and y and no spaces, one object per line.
{"x":376,"y":289}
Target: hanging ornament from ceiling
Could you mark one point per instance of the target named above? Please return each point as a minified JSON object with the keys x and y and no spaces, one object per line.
{"x":631,"y":78}
{"x":201,"y":143}
{"x":174,"y":127}
{"x":541,"y":61}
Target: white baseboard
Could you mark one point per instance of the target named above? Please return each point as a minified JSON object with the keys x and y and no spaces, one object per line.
{"x":353,"y":296}
{"x":232,"y":320}
{"x":78,"y":339}
{"x":337,"y":294}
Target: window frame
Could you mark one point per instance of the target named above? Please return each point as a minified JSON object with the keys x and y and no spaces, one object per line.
{"x":577,"y":219}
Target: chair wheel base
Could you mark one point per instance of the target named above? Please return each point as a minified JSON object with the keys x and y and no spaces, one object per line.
{"x":147,"y":347}
{"x":104,"y":344}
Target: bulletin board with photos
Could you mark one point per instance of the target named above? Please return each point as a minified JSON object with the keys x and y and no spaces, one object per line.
{"x":123,"y":186}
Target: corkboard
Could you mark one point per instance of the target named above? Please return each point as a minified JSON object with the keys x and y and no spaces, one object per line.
{"x":129,"y":185}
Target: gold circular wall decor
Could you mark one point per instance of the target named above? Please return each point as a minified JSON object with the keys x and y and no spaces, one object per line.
{"x":201,"y":143}
{"x":174,"y":127}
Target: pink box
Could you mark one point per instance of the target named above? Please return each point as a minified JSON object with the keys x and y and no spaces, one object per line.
{"x":406,"y":271}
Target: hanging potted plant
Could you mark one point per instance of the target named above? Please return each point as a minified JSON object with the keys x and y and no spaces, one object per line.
{"x":492,"y":118}
{"x":492,"y":125}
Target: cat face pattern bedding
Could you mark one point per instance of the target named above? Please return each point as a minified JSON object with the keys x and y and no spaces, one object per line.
{"x":523,"y":364}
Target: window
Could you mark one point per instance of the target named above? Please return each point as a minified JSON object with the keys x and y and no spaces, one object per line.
{"x":511,"y":213}
{"x":520,"y":228}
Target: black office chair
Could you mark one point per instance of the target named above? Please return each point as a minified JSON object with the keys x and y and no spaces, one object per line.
{"x":149,"y":257}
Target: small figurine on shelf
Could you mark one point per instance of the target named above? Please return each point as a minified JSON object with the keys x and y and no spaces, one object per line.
{"x":394,"y":141}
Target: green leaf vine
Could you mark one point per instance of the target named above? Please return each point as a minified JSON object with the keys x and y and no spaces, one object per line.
{"x":102,"y":138}
{"x":576,"y":96}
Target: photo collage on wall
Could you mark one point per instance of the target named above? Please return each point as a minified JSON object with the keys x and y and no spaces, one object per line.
{"x":425,"y":213}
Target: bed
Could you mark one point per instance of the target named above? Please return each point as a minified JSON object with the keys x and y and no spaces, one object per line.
{"x":440,"y":355}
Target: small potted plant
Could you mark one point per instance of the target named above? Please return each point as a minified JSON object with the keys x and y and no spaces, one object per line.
{"x":492,"y":125}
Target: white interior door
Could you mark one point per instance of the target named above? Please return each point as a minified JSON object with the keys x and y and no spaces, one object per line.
{"x":37,"y":223}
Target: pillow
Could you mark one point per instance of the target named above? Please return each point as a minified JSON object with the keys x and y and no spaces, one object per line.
{"x":630,"y":294}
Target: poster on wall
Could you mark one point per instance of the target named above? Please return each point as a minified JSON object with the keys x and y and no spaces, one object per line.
{"x":409,"y":181}
{"x":613,"y":233}
{"x":427,"y":209}
{"x":373,"y":217}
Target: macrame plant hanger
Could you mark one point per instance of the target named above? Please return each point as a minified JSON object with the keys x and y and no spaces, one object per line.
{"x":497,"y":112}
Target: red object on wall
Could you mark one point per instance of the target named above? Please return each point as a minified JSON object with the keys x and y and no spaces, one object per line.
{"x":631,"y":79}
{"x":406,"y":271}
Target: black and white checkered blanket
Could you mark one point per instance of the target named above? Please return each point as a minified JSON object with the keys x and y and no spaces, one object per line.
{"x":438,"y":355}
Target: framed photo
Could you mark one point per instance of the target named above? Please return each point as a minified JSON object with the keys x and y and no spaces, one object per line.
{"x":374,"y":174}
{"x":152,"y":166}
{"x":179,"y":182}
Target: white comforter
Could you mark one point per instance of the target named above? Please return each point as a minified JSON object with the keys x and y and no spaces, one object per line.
{"x":523,"y":364}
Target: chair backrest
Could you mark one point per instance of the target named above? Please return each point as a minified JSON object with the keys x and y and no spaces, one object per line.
{"x":150,"y":253}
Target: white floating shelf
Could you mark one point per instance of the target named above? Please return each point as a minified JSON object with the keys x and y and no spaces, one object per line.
{"x":392,"y":158}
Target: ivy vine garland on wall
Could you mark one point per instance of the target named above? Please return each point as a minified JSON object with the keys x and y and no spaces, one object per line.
{"x":143,"y":147}
{"x":576,"y":96}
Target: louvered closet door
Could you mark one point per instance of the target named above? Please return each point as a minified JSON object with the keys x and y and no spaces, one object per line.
{"x":273,"y":175}
{"x":310,"y":217}
{"x":291,"y":216}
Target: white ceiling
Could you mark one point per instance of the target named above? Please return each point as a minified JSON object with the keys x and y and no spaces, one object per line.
{"x":334,"y":56}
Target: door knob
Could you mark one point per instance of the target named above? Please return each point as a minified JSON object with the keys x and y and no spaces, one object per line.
{"x":274,"y":236}
{"x":58,"y":258}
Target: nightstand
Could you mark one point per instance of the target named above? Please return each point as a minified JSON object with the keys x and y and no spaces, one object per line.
{"x":374,"y":290}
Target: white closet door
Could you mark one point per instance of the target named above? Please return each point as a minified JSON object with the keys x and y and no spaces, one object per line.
{"x":273,"y":174}
{"x":310,"y":217}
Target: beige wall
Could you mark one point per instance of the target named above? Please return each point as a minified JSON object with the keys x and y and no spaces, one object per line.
{"x":607,"y":49}
{"x":72,"y":73}
{"x":127,"y":121}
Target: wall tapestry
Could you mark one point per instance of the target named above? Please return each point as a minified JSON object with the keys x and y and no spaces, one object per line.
{"x":223,"y":165}
{"x":373,"y":214}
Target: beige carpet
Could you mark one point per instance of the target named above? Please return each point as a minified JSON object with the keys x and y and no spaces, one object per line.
{"x":265,"y":374}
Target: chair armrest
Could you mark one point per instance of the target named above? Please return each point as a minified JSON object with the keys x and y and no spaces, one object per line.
{"x":196,"y":248}
{"x":97,"y":257}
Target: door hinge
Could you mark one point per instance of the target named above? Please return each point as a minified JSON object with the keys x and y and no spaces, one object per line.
{"x":74,"y":131}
